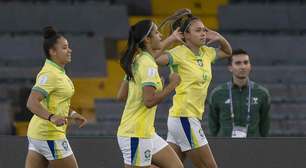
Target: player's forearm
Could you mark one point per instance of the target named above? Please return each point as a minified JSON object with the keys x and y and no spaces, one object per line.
{"x":225,"y":47}
{"x":36,"y":108}
{"x":160,"y":96}
{"x":164,"y":45}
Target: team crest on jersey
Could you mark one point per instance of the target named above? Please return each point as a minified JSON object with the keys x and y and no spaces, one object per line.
{"x":200,"y":63}
{"x":201,"y":133}
{"x":65,"y":145}
{"x":147,"y":154}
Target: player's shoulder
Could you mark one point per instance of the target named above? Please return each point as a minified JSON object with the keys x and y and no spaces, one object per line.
{"x":146,"y":59}
{"x":178,"y":49}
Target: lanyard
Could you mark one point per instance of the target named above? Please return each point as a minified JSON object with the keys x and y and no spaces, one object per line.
{"x":250,"y":85}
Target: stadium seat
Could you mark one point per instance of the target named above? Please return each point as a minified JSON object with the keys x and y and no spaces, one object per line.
{"x":277,"y":17}
{"x":266,"y":74}
{"x":92,"y":17}
{"x":136,"y":7}
{"x":271,"y":49}
{"x":108,"y":109}
{"x":198,"y":7}
{"x":6,"y":119}
{"x":87,"y":89}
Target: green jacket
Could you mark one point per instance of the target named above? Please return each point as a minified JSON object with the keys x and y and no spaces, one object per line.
{"x":219,"y":115}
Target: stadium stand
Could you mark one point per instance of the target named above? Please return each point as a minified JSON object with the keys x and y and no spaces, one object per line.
{"x":272,"y":31}
{"x":6,"y":118}
{"x":91,"y":17}
{"x":274,"y":37}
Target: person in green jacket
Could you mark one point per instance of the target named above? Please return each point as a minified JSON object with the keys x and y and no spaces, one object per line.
{"x":239,"y":108}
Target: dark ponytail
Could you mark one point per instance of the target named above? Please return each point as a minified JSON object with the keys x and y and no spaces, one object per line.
{"x":50,"y":39}
{"x":137,"y":34}
{"x":127,"y":58}
{"x":181,"y":18}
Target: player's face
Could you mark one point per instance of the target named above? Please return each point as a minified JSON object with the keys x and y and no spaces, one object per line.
{"x":196,"y":34}
{"x":61,"y":51}
{"x":155,"y":38}
{"x":240,"y":66}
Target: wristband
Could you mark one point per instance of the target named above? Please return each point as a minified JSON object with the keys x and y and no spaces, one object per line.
{"x":49,"y":118}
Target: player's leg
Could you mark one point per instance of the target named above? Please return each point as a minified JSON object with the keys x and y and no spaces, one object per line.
{"x":35,"y":160}
{"x":174,"y":136}
{"x":178,"y":151}
{"x":167,"y":158}
{"x":199,"y":151}
{"x":59,"y":153}
{"x":163,"y":155}
{"x":202,"y":157}
{"x":67,"y":162}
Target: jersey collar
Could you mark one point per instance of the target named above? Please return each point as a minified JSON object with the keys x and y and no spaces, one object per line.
{"x":50,"y":62}
{"x":201,"y":53}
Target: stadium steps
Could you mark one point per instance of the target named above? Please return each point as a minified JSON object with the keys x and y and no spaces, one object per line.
{"x":198,"y":7}
{"x":88,"y":89}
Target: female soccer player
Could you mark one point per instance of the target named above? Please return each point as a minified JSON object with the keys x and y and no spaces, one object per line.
{"x":142,"y":89}
{"x":49,"y":101}
{"x":192,"y":61}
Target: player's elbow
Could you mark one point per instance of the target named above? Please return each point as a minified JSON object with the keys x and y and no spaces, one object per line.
{"x":161,"y":61}
{"x":29,"y":104}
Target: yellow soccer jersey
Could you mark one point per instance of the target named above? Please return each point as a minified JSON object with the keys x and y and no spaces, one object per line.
{"x":195,"y":73}
{"x":57,"y":89}
{"x":138,"y":120}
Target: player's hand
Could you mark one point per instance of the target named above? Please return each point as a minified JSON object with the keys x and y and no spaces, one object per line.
{"x":177,"y":36}
{"x":79,"y":119}
{"x":58,"y":120}
{"x":212,"y":36}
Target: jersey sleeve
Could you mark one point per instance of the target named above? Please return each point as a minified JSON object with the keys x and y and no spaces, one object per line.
{"x":174,"y":59}
{"x":211,"y":53}
{"x":45,"y":83}
{"x":149,"y":74}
